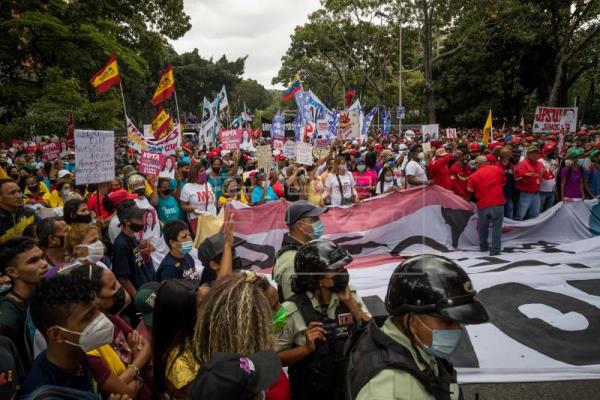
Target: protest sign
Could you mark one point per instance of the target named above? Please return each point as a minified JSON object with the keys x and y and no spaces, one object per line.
{"x":289,"y":149}
{"x":451,"y":133}
{"x":552,"y":119}
{"x":426,"y":147}
{"x":167,"y":168}
{"x":94,"y":156}
{"x":263,"y":157}
{"x":51,"y":151}
{"x":349,"y":125}
{"x":409,"y":136}
{"x":308,"y":130}
{"x":322,"y":128}
{"x":230,"y":139}
{"x":246,"y":141}
{"x":150,"y":163}
{"x":167,"y":145}
{"x":430,"y":132}
{"x":304,"y":153}
{"x":321,"y":148}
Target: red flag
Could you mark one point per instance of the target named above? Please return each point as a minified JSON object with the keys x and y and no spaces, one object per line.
{"x":349,"y":95}
{"x":70,"y":130}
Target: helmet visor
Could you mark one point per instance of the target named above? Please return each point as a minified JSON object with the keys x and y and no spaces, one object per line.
{"x":470,"y":313}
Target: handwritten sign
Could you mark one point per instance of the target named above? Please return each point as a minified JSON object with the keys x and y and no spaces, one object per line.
{"x":264,"y":155}
{"x":304,"y":153}
{"x":289,"y":149}
{"x":554,"y":119}
{"x":51,"y":151}
{"x":94,"y":156}
{"x":430,"y":132}
{"x":451,"y":133}
{"x":230,"y":139}
{"x":321,"y":148}
{"x":150,"y":163}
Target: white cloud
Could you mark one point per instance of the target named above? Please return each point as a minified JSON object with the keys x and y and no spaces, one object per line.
{"x":260,"y":29}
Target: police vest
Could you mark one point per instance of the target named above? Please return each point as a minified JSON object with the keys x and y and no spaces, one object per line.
{"x":371,"y":351}
{"x":321,"y":374}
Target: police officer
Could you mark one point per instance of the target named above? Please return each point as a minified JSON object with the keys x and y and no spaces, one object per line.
{"x":428,"y":297}
{"x":303,"y":220}
{"x":321,"y":315}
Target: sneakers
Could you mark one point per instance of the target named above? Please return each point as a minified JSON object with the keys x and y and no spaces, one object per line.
{"x":494,"y":253}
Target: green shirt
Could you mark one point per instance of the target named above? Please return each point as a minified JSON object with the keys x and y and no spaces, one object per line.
{"x":393,"y":384}
{"x":283,"y":271}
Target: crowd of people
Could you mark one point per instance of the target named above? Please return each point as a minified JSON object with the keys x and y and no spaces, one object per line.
{"x":105,"y":292}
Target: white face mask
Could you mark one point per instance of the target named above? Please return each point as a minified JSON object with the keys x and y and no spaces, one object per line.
{"x":98,"y":333}
{"x":421,"y":156}
{"x":95,"y":251}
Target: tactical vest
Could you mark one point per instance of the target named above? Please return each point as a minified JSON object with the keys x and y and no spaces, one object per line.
{"x":371,"y":351}
{"x":288,"y":244}
{"x":321,"y":374}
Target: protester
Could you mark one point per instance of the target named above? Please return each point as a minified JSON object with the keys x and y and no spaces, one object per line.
{"x":511,"y":194}
{"x":65,"y":312}
{"x":263,"y":193}
{"x":592,"y":174}
{"x":218,"y":256}
{"x":178,"y":264}
{"x":460,"y":171}
{"x":295,"y":183}
{"x":387,"y":181}
{"x":439,"y":170}
{"x":364,"y":178}
{"x":232,"y":190}
{"x":573,"y":182}
{"x":528,"y":176}
{"x":423,"y":330}
{"x":165,"y":202}
{"x":487,"y":184}
{"x":175,"y":363}
{"x":35,"y":191}
{"x":14,"y":217}
{"x":56,"y":197}
{"x":311,"y":343}
{"x":52,"y":235}
{"x":75,"y":211}
{"x":416,"y":174}
{"x":197,"y":196}
{"x":340,"y":187}
{"x":548,"y":185}
{"x":83,"y":245}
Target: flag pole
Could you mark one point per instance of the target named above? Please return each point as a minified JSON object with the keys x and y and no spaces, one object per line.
{"x":123,"y":99}
{"x":177,"y":107}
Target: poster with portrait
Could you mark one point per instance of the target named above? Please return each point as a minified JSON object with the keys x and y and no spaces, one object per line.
{"x":168,"y":168}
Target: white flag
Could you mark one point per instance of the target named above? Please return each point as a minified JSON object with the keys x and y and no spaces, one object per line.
{"x":223,"y":102}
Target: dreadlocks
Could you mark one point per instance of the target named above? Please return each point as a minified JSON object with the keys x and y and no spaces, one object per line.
{"x":235,"y":318}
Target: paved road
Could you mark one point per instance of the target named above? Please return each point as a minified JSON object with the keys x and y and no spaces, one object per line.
{"x":566,"y":390}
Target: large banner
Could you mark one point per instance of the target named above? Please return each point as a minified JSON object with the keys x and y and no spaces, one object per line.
{"x":555,"y":119}
{"x":541,"y":292}
{"x":167,"y":145}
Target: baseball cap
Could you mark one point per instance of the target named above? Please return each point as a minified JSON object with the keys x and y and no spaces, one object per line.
{"x":120,"y":195}
{"x":62,"y":173}
{"x":136,"y":182}
{"x":441,"y":152}
{"x":130,"y":212}
{"x":129,"y":170}
{"x":481,"y":160}
{"x":301,"y":209}
{"x":533,"y":149}
{"x":232,"y":376}
{"x":212,"y":248}
{"x":144,"y":301}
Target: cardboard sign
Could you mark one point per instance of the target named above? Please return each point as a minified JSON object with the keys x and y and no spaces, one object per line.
{"x":426,"y":147}
{"x":553,"y":119}
{"x":430,"y":132}
{"x":150,"y":163}
{"x":289,"y":149}
{"x":230,"y":139}
{"x":321,"y":148}
{"x":94,"y":156}
{"x":304,"y":153}
{"x":322,"y":128}
{"x":451,"y":133}
{"x":51,"y":151}
{"x":349,"y":125}
{"x":264,"y":155}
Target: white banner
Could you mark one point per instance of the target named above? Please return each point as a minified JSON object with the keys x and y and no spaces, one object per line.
{"x":167,"y":145}
{"x":94,"y":156}
{"x":304,"y":153}
{"x":555,"y":119}
{"x":430,"y":132}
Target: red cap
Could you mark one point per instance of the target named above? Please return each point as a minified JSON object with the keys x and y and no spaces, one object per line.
{"x":493,"y":145}
{"x":581,"y":133}
{"x":212,"y":154}
{"x":491,"y":158}
{"x":474,"y":146}
{"x":281,"y":157}
{"x":549,"y":147}
{"x":120,"y":195}
{"x":516,"y":140}
{"x":551,"y":137}
{"x":530,"y":139}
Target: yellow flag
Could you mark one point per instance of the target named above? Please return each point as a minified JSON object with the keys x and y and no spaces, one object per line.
{"x":107,"y":77}
{"x":487,"y":129}
{"x":3,"y":174}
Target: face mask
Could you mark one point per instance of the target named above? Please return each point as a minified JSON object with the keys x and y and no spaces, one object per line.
{"x":166,"y":192}
{"x":82,"y":219}
{"x":186,"y":247}
{"x":279,"y":320}
{"x":33,"y":189}
{"x":361,"y":168}
{"x":181,"y":154}
{"x":202,"y":177}
{"x":343,"y":168}
{"x":140,"y":192}
{"x":216,"y":169}
{"x":317,"y":230}
{"x":98,"y":333}
{"x":95,"y":251}
{"x":580,"y":162}
{"x":136,"y":227}
{"x":340,"y":281}
{"x":444,"y":341}
{"x":66,"y":193}
{"x":119,"y":304}
{"x":388,"y":178}
{"x":421,"y":156}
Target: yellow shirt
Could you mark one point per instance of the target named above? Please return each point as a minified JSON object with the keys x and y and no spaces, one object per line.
{"x":53,"y":199}
{"x":241,"y":198}
{"x":43,"y":189}
{"x":182,"y":370}
{"x":110,"y":357}
{"x":315,"y":190}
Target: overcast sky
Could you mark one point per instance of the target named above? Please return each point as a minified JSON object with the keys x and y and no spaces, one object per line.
{"x":260,"y":29}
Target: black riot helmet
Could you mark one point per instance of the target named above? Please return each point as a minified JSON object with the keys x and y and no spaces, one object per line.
{"x":431,"y":284}
{"x":314,"y":259}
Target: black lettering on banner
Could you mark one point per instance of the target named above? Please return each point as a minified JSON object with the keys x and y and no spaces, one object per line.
{"x":590,"y":286}
{"x":268,"y":251}
{"x":571,"y":347}
{"x":457,"y":220}
{"x":545,"y":247}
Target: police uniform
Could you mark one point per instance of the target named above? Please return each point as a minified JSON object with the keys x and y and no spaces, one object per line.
{"x":284,"y":267}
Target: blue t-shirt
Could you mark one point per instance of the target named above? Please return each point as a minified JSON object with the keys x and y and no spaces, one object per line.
{"x":43,"y":372}
{"x":177,"y":268}
{"x":593,"y":180}
{"x":217,"y":184}
{"x":128,"y":261}
{"x":257,"y":194}
{"x":169,"y":209}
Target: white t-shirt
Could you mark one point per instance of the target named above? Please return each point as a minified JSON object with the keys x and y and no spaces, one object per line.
{"x":417,"y":171}
{"x":386,"y":186}
{"x":549,"y":185}
{"x":334,"y":186}
{"x":201,"y":197}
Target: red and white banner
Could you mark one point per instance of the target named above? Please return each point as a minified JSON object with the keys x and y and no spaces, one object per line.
{"x":553,"y":119}
{"x":230,"y":139}
{"x":541,"y":292}
{"x":167,"y":145}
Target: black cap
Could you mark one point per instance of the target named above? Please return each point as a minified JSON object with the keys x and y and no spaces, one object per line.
{"x":232,"y":376}
{"x":130,"y":212}
{"x":301,"y":209}
{"x":212,"y":248}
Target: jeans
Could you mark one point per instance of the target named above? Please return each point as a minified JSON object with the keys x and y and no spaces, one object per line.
{"x":487,"y":216}
{"x":546,"y":200}
{"x":529,"y":206}
{"x":509,"y":209}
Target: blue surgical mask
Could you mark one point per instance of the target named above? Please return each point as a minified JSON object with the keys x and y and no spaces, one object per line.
{"x":317,"y":229}
{"x":444,"y":341}
{"x":361,"y":167}
{"x":186,"y":247}
{"x":580,"y":162}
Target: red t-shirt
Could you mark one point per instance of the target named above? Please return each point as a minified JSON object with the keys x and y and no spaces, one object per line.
{"x":487,"y":183}
{"x":440,"y":173}
{"x":363,"y":181}
{"x":280,"y":390}
{"x":459,"y":186}
{"x":529,"y":184}
{"x":92,"y":205}
{"x":278,"y":189}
